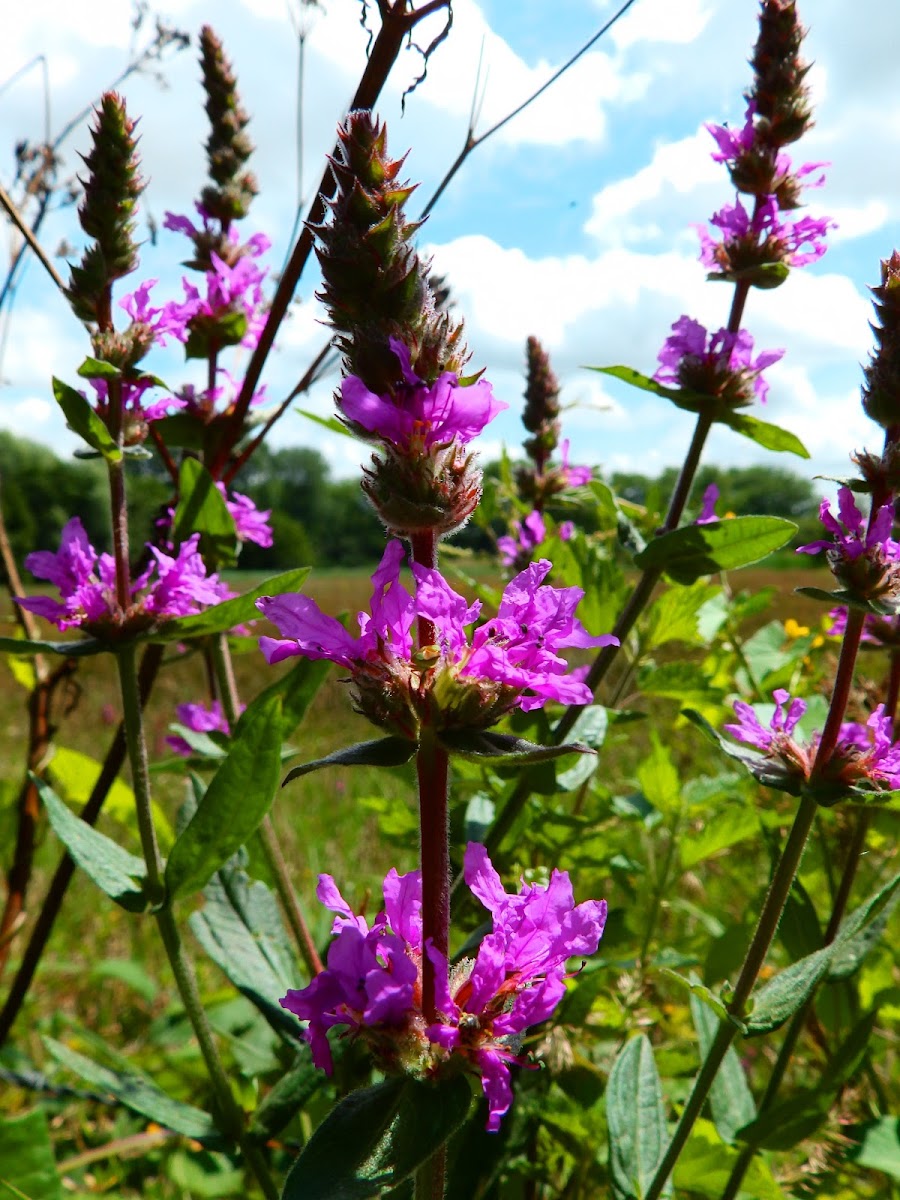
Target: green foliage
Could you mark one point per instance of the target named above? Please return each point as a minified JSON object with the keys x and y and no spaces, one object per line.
{"x":27,"y":1164}
{"x":238,"y":797}
{"x":202,"y":509}
{"x":694,"y":550}
{"x":82,"y":420}
{"x":637,"y":1121}
{"x":377,"y":1137}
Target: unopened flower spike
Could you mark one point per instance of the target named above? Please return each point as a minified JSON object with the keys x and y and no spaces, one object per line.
{"x":372,"y":985}
{"x":881,"y":376}
{"x":107,"y":212}
{"x":538,"y":483}
{"x":460,"y":683}
{"x":228,"y":148}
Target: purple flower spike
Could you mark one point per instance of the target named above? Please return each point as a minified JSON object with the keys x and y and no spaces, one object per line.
{"x":86,"y":582}
{"x":373,"y":981}
{"x":527,"y":535}
{"x":766,"y":237}
{"x":418,"y":414}
{"x":849,"y":535}
{"x":719,"y":364}
{"x":511,"y":661}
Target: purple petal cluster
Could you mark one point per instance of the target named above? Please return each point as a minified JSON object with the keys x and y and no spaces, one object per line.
{"x":708,"y":510}
{"x":511,"y":660}
{"x":717,"y":364}
{"x":201,"y":719}
{"x":852,"y":537}
{"x":174,"y":585}
{"x":137,"y":410}
{"x":527,"y":535}
{"x":250,"y":524}
{"x":373,"y":980}
{"x":865,"y":754}
{"x":572,"y":477}
{"x":207,"y":403}
{"x":418,"y":415}
{"x":764,"y":237}
{"x":159,"y":321}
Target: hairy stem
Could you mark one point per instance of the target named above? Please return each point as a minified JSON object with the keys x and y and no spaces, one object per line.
{"x":773,"y":907}
{"x":230,"y":1117}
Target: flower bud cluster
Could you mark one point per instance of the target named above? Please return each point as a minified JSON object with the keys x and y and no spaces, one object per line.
{"x":717,"y":365}
{"x":228,"y":147}
{"x":881,"y":376}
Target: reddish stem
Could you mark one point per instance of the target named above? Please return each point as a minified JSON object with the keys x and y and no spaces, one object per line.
{"x":432,"y":769}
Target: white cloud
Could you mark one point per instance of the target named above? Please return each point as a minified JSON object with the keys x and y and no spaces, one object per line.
{"x":658,"y":21}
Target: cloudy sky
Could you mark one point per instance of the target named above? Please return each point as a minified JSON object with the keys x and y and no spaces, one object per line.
{"x":574,"y":223}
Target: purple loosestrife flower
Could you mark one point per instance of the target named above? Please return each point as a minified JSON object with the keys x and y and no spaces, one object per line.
{"x":878,"y":631}
{"x":865,"y":757}
{"x":207,"y":403}
{"x":719,"y":365}
{"x":172,"y":586}
{"x":572,"y":476}
{"x":373,"y":981}
{"x":511,"y":661}
{"x":708,"y":511}
{"x":158,"y":322}
{"x":200,"y":719}
{"x":250,"y":524}
{"x":138,"y":412}
{"x":518,"y":549}
{"x":418,"y":417}
{"x":862,"y":554}
{"x":763,"y":238}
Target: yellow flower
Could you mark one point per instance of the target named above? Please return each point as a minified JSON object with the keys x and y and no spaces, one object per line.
{"x":793,"y":629}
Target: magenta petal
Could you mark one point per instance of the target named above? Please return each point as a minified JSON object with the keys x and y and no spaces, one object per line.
{"x":495,"y":1085}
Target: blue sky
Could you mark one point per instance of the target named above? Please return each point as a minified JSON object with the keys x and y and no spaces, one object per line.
{"x":573,"y":224}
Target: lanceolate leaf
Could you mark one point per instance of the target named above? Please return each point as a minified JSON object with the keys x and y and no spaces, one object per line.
{"x":772,"y":437}
{"x":289,"y":1095}
{"x":82,"y":420}
{"x":238,"y":797}
{"x":682,"y":398}
{"x":382,"y":752}
{"x":26,"y":1157}
{"x":694,"y":550}
{"x":332,"y":424}
{"x":730,"y":1099}
{"x":140,"y":1095}
{"x":297,"y":689}
{"x":116,"y":872}
{"x":848,"y":600}
{"x":230,"y":613}
{"x":201,"y":509}
{"x":241,"y":930}
{"x":504,"y":749}
{"x":783,"y":995}
{"x":636,"y":1119}
{"x":76,"y":648}
{"x":376,"y":1138}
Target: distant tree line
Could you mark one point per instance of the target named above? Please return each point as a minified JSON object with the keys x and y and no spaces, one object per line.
{"x":315,"y":517}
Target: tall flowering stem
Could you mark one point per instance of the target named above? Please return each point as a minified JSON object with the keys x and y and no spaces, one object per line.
{"x":772,"y":909}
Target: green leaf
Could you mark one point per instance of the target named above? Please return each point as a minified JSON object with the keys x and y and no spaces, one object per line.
{"x":27,"y":1164}
{"x":694,"y":550}
{"x":238,"y":797}
{"x":788,"y":1122}
{"x":76,"y":648}
{"x":376,"y":1138}
{"x":140,"y":1095}
{"x":676,"y":615}
{"x":637,"y":1120}
{"x":589,"y":730}
{"x":82,"y":420}
{"x":658,"y":778}
{"x":848,"y":600}
{"x":730,"y":1099}
{"x":288,"y":1097}
{"x":849,"y":956}
{"x":503,"y":749}
{"x":726,"y":827}
{"x":784,"y":994}
{"x":767,"y":771}
{"x":705,"y":1164}
{"x":116,"y":872}
{"x":241,"y":930}
{"x":686,"y":682}
{"x":201,"y":744}
{"x":202,"y":509}
{"x":332,"y":424}
{"x":97,"y":368}
{"x":222,"y":617}
{"x":771,"y":437}
{"x":127,"y":971}
{"x":708,"y":999}
{"x":877,"y":1145}
{"x":228,"y":329}
{"x":681,"y":397}
{"x":390,"y":751}
{"x":297,"y":689}
{"x":181,"y":429}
